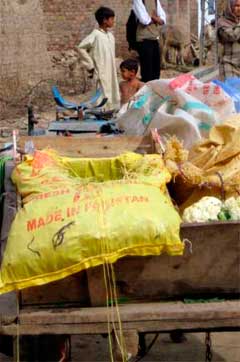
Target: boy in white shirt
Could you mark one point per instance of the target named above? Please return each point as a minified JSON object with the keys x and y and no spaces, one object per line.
{"x":97,"y":52}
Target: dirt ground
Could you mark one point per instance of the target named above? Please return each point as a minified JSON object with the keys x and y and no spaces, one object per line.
{"x":225,"y":346}
{"x":45,"y":108}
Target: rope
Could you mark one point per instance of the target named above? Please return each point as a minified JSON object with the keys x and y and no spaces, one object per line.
{"x":111,"y":299}
{"x":223,"y":193}
{"x":108,"y":314}
{"x":18,"y":330}
{"x":110,"y":284}
{"x":122,"y":343}
{"x":190,"y":246}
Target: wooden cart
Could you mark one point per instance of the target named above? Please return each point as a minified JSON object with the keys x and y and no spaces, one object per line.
{"x":153,"y":291}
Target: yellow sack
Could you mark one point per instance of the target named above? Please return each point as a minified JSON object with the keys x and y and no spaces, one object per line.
{"x":48,"y":172}
{"x":66,"y":230}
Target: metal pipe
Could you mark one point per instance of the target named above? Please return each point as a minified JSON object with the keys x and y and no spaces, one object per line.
{"x":201,"y":56}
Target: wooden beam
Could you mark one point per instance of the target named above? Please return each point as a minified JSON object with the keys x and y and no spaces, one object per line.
{"x":147,"y":317}
{"x":91,"y":146}
{"x":134,"y":312}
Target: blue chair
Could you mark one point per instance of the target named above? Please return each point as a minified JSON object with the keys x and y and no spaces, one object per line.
{"x":74,"y":106}
{"x":64,"y":104}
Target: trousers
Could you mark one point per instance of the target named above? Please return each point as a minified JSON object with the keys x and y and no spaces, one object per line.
{"x":149,"y":57}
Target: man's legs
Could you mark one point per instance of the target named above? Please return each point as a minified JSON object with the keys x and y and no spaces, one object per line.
{"x":156,"y":60}
{"x":149,"y":56}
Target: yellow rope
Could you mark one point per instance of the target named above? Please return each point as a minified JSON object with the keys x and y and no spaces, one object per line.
{"x":113,"y":295}
{"x":122,"y":342}
{"x":108,"y":314}
{"x":18,"y":331}
{"x":114,"y":299}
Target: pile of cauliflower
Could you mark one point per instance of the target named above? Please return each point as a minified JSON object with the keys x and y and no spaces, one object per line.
{"x":212,"y":209}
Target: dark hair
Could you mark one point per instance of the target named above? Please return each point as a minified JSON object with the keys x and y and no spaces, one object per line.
{"x":213,"y":22}
{"x":103,"y":13}
{"x":130,"y":64}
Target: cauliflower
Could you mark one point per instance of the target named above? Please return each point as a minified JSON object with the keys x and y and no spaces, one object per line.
{"x":211,"y":209}
{"x":233,"y":206}
{"x":206,"y":209}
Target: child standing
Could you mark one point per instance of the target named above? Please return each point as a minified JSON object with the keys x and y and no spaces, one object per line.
{"x":131,"y":83}
{"x":97,"y":52}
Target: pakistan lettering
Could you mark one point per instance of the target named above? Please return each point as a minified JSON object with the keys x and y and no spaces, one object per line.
{"x":96,"y":205}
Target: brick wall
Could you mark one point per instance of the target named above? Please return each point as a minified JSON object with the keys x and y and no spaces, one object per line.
{"x":68,"y":21}
{"x":33,"y":30}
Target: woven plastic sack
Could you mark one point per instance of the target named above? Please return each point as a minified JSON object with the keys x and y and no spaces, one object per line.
{"x":165,"y":103}
{"x":47,"y":172}
{"x":74,"y":227}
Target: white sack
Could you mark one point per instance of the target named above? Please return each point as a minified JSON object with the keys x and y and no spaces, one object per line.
{"x":182,"y":106}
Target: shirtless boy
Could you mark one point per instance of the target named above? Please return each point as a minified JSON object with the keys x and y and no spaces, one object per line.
{"x":130,"y":84}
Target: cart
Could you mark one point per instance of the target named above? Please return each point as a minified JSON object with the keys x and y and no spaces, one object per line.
{"x":154,"y":293}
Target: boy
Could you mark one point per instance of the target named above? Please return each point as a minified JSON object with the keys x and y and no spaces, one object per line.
{"x":131,"y":83}
{"x":97,"y":52}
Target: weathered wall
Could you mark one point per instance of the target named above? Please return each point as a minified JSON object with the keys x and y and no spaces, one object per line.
{"x":23,"y":53}
{"x":32,"y":31}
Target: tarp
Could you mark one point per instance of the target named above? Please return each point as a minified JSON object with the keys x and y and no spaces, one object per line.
{"x":232,"y":87}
